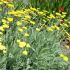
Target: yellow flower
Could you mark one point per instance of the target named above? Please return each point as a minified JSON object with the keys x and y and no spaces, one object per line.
{"x":65,"y":25}
{"x":62,"y":55}
{"x":24,"y":27}
{"x":49,"y":29}
{"x":1,"y":28}
{"x":20,"y":29}
{"x":26,"y":34}
{"x":10,"y":5}
{"x":2,"y":47}
{"x":28,"y":45}
{"x":32,"y":22}
{"x":41,"y":13}
{"x":33,"y":9}
{"x":10,"y":19}
{"x":22,"y":44}
{"x":18,"y":40}
{"x":64,"y":13}
{"x":65,"y":58}
{"x":27,"y":17}
{"x":12,"y":12}
{"x":57,"y":28}
{"x":19,"y":23}
{"x":4,"y":1}
{"x":25,"y":52}
{"x":1,"y":3}
{"x":51,"y":16}
{"x":66,"y":32}
{"x":53,"y":27}
{"x":63,"y":16}
{"x":25,"y":20}
{"x":4,"y":21}
{"x":58,"y":14}
{"x":5,"y":26}
{"x":37,"y":29}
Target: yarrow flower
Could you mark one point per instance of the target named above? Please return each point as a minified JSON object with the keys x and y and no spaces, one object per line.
{"x":22,"y":44}
{"x":26,"y":34}
{"x":51,"y":16}
{"x":10,"y":19}
{"x":24,"y":27}
{"x":37,"y":29}
{"x":49,"y":29}
{"x":28,"y":45}
{"x":4,"y":21}
{"x":65,"y":58}
{"x":3,"y":48}
{"x":1,"y":28}
{"x":19,"y":23}
{"x":20,"y":29}
{"x":25,"y":52}
{"x":32,"y":22}
{"x":5,"y":26}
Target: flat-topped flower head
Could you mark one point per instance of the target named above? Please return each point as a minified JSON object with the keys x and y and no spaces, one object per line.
{"x":22,"y":44}
{"x":25,"y":52}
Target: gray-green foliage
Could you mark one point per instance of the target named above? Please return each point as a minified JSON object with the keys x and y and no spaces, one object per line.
{"x":44,"y":51}
{"x":43,"y":55}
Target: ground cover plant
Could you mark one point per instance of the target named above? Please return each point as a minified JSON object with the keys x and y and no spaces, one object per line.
{"x":33,"y":38}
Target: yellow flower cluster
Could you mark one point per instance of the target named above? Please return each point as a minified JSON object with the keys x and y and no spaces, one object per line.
{"x":23,"y":45}
{"x":3,"y":27}
{"x":7,"y":2}
{"x":64,"y":24}
{"x":49,"y":29}
{"x":54,"y":27}
{"x":25,"y":52}
{"x":65,"y":58}
{"x":51,"y":16}
{"x":27,"y":15}
{"x":17,"y":13}
{"x":10,"y":19}
{"x":68,"y":35}
{"x":57,"y":15}
{"x":5,"y":24}
{"x":26,"y":18}
{"x":3,"y":48}
{"x":25,"y":28}
{"x":26,"y":34}
{"x":22,"y":28}
{"x":38,"y":29}
{"x":10,"y":5}
{"x":41,"y":13}
{"x":19,"y":23}
{"x":7,"y":20}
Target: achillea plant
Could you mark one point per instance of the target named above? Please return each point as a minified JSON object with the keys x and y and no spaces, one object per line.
{"x":30,"y":39}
